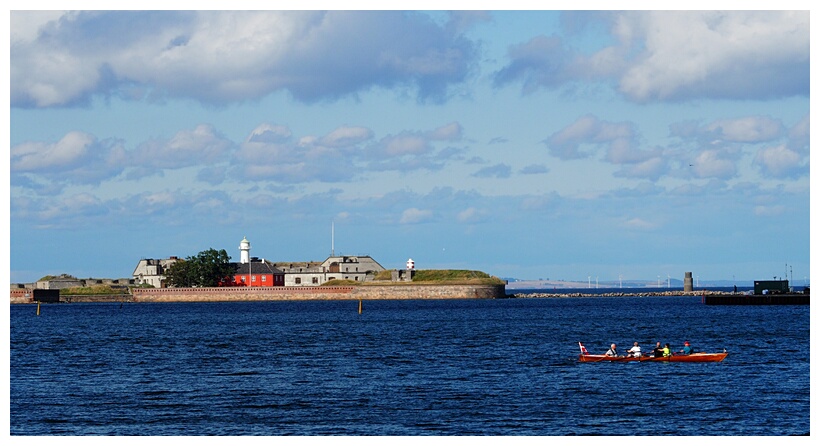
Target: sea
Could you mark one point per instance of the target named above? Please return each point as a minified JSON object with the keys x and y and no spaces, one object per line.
{"x":473,"y":367}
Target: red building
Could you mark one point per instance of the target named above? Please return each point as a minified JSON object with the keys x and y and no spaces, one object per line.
{"x":257,"y":273}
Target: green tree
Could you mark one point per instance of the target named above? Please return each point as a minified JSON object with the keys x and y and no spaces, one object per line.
{"x":181,"y":274}
{"x":206,"y":269}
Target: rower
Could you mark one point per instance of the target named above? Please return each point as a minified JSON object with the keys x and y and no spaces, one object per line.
{"x":658,"y":351}
{"x":612,"y":350}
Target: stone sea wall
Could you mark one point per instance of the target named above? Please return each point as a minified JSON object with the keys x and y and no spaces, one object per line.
{"x":220,"y":294}
{"x":283,"y":293}
{"x":318,"y":293}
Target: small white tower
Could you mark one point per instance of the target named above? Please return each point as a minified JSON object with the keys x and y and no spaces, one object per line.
{"x":244,"y":251}
{"x":411,"y":265}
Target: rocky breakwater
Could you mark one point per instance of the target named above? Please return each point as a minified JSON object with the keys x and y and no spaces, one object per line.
{"x":632,"y":294}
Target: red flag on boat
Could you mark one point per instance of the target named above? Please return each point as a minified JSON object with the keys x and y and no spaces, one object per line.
{"x":583,"y":349}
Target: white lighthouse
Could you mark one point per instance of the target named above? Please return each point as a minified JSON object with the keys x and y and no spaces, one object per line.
{"x":244,"y":251}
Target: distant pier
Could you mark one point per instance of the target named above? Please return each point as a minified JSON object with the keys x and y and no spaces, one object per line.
{"x":757,"y":299}
{"x":707,"y":297}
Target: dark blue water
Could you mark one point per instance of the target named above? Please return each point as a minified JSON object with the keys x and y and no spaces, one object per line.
{"x":465,"y":367}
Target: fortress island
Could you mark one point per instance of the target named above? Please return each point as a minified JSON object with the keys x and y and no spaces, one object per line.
{"x":255,"y":279}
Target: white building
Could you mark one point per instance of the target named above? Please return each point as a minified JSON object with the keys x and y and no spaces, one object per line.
{"x":152,"y":271}
{"x":356,"y":268}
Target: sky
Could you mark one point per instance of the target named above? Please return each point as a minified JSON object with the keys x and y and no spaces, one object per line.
{"x":548,"y":144}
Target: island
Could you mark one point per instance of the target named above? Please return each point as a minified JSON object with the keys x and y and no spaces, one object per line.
{"x":389,"y":284}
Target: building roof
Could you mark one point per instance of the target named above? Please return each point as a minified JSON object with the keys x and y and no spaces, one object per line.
{"x":366,"y":261}
{"x":256,"y":268}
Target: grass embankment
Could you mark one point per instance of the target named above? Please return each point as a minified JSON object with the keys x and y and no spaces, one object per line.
{"x":428,"y":277}
{"x":93,"y":290}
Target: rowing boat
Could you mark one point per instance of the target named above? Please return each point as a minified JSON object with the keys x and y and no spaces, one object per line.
{"x":694,"y":357}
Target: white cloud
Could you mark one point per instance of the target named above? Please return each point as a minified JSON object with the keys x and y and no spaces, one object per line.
{"x":565,"y":143}
{"x":449,"y":132}
{"x":734,"y":54}
{"x":639,"y":223}
{"x":201,"y":145}
{"x":799,"y":135}
{"x":227,"y":56}
{"x":590,"y":132}
{"x":69,"y":211}
{"x":744,"y":130}
{"x":25,"y":26}
{"x":415,"y":215}
{"x":748,"y":129}
{"x":159,"y":199}
{"x":77,"y":158}
{"x":72,"y":149}
{"x":269,"y":155}
{"x":413,"y":150}
{"x":651,"y":169}
{"x":270,"y":134}
{"x":622,"y":151}
{"x":714,"y":163}
{"x":780,"y":161}
{"x":406,"y":144}
{"x":676,"y":56}
{"x":472,"y":215}
{"x":346,"y":136}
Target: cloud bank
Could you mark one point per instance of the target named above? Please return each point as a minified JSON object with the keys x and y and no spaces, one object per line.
{"x":219,"y":57}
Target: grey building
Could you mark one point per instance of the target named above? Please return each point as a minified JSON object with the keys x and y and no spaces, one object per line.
{"x":59,"y":283}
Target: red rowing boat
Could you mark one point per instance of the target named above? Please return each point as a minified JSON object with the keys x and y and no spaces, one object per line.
{"x":694,"y":357}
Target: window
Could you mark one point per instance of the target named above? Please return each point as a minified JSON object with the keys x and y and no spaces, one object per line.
{"x":253,"y":279}
{"x":298,"y":280}
{"x":264,"y":278}
{"x":243,"y":279}
{"x":316,"y":280}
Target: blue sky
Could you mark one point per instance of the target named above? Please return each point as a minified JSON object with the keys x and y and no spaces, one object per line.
{"x":527,"y":144}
